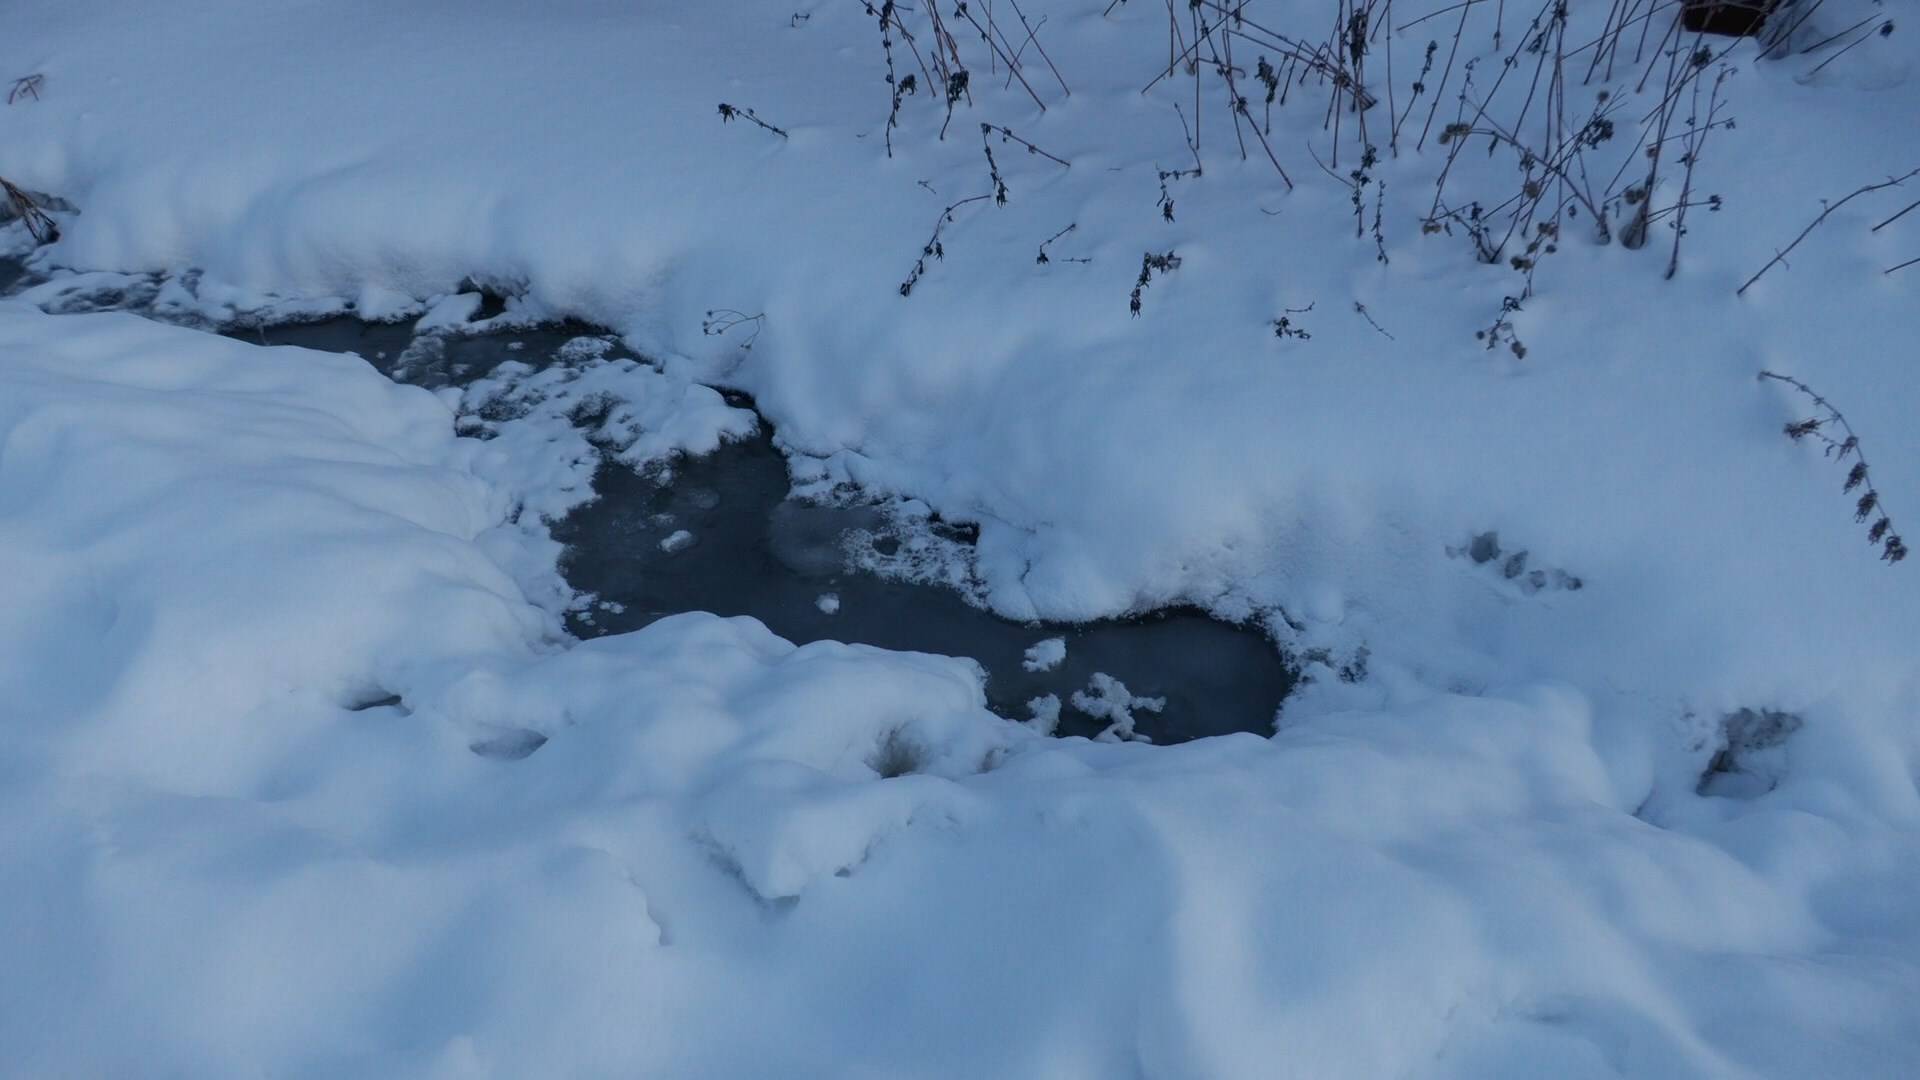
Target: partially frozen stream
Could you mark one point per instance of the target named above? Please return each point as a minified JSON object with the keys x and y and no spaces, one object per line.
{"x":752,"y":551}
{"x":720,"y":533}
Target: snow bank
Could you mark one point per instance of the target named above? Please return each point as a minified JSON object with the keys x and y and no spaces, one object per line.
{"x":309,"y":790}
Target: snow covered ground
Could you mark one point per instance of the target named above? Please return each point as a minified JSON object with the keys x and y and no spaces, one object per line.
{"x":304,"y":776}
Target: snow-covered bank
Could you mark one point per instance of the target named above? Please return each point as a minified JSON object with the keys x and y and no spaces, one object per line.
{"x":1489,"y":855}
{"x":223,"y":867}
{"x":1113,"y":463}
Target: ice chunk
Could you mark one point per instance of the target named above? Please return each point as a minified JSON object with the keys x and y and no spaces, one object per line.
{"x":1110,"y":700}
{"x":1046,"y":713}
{"x":1046,"y":655}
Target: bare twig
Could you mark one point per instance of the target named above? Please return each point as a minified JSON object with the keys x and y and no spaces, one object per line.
{"x":1444,"y":76}
{"x":961,"y":10}
{"x":729,"y":112}
{"x":721,"y":320}
{"x":26,"y":86}
{"x":1033,"y":36}
{"x":1903,"y":213}
{"x":1781,"y":256}
{"x":1006,"y":133}
{"x":933,"y":248}
{"x":1883,"y":29}
{"x":1688,"y":160}
{"x":1043,"y":258}
{"x":1360,"y":309}
{"x":1191,"y":144}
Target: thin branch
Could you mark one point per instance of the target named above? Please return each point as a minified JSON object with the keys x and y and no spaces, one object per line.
{"x":1781,"y":256}
{"x":1033,"y":36}
{"x":26,"y":86}
{"x":1910,"y":206}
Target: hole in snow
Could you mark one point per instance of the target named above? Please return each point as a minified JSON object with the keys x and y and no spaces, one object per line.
{"x":509,"y":745}
{"x":377,"y":699}
{"x":1752,"y":757}
{"x":896,"y":756}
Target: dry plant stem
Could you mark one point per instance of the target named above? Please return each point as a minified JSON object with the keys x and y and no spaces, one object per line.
{"x":1695,"y":142}
{"x":933,"y":246}
{"x":1606,"y":35}
{"x":893,"y":83}
{"x":1173,"y":64}
{"x":1314,"y":57}
{"x":1831,"y":38}
{"x":1393,"y":130}
{"x":1634,"y":236}
{"x":1233,"y":92}
{"x":1193,"y":144}
{"x":994,"y":28}
{"x":893,"y":19}
{"x":1555,"y":165}
{"x":1781,"y":37}
{"x":1437,"y":14}
{"x":1903,"y":213}
{"x":1237,"y":106}
{"x":721,"y":320}
{"x":1851,"y":45}
{"x":1033,"y":38}
{"x":729,"y":112}
{"x":39,"y":225}
{"x":1869,"y":504}
{"x":1609,"y":42}
{"x":946,"y":51}
{"x":1007,"y":133}
{"x":1043,"y":258}
{"x":1781,"y":256}
{"x":1194,"y":13}
{"x":26,"y":86}
{"x":1444,"y":76}
{"x":1361,"y":310}
{"x":962,"y":10}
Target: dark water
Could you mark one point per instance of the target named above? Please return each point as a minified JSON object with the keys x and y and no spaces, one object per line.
{"x":720,"y":534}
{"x":755,"y":552}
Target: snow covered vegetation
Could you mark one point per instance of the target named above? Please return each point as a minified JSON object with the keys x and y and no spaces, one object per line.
{"x":1537,"y":379}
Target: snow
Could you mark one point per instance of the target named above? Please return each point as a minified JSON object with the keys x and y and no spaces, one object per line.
{"x":1107,"y":698}
{"x":828,"y":603}
{"x":1044,"y":713}
{"x":1660,"y":823}
{"x":1046,"y":654}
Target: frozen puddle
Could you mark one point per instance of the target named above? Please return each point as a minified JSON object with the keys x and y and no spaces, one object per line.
{"x":720,"y":533}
